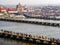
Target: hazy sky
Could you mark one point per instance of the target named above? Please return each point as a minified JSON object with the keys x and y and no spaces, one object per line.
{"x":31,"y":2}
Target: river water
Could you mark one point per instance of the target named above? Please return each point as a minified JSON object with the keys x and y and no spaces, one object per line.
{"x":32,"y":29}
{"x":13,"y":42}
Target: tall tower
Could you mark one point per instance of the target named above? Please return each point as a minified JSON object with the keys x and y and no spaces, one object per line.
{"x":19,"y":8}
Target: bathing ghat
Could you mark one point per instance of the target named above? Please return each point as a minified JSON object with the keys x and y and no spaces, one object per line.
{"x":34,"y":21}
{"x":29,"y":38}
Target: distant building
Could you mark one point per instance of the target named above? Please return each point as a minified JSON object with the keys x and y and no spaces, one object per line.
{"x":5,"y":9}
{"x":19,"y":8}
{"x":11,"y":10}
{"x":2,"y":9}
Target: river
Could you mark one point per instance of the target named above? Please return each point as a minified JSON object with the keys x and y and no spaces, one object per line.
{"x":32,"y":29}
